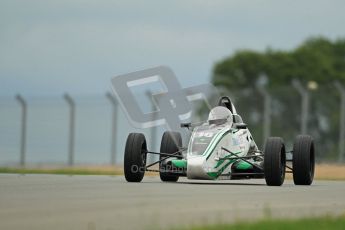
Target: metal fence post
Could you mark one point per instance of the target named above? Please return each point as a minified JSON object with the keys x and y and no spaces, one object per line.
{"x":71,"y":104}
{"x":153,"y":131}
{"x":341,"y":90}
{"x":304,"y":105}
{"x":267,"y":113}
{"x":113,"y":102}
{"x":23,"y":104}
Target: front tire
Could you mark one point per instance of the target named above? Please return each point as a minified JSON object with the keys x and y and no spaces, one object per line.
{"x":171,"y":143}
{"x":303,"y":161}
{"x":135,"y":157}
{"x":274,"y":161}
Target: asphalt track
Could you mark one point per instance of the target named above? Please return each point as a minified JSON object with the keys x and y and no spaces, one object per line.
{"x":51,"y":202}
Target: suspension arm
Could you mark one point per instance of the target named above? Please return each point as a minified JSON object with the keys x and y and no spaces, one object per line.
{"x":241,"y":158}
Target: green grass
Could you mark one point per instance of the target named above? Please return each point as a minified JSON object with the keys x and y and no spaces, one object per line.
{"x":62,"y":171}
{"x":323,"y":223}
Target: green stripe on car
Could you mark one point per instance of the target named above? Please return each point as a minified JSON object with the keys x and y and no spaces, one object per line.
{"x":214,"y":143}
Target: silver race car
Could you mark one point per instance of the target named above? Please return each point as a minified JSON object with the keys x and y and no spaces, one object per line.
{"x":221,"y":148}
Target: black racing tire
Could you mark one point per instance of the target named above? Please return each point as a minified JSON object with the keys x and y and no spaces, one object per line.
{"x":171,"y":143}
{"x":135,"y":157}
{"x":274,"y":161}
{"x":303,"y":160}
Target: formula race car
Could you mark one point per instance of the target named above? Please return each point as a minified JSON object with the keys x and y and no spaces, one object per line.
{"x":221,"y":148}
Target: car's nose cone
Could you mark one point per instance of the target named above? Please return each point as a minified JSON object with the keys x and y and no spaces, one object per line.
{"x":196,"y":168}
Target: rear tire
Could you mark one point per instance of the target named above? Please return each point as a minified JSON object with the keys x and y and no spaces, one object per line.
{"x":303,"y":161}
{"x":135,"y":157}
{"x":274,"y":161}
{"x":171,"y":143}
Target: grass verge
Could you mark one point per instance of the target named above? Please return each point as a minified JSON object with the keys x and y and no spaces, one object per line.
{"x":106,"y":170}
{"x":327,"y":172}
{"x":323,"y":223}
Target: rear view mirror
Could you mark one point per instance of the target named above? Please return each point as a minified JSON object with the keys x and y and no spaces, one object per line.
{"x":186,"y":125}
{"x":241,"y":126}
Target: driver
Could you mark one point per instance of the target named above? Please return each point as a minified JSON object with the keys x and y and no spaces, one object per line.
{"x":220,"y":115}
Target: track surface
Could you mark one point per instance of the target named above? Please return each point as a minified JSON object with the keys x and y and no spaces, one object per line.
{"x":104,"y":202}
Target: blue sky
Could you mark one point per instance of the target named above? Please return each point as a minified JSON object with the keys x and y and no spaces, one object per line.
{"x":50,"y":47}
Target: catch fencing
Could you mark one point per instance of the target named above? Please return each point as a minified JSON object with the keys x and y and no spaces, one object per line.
{"x":70,"y":130}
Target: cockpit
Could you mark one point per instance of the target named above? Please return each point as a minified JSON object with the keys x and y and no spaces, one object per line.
{"x":220,"y":117}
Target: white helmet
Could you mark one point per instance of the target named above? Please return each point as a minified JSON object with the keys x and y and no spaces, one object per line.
{"x":219,"y":115}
